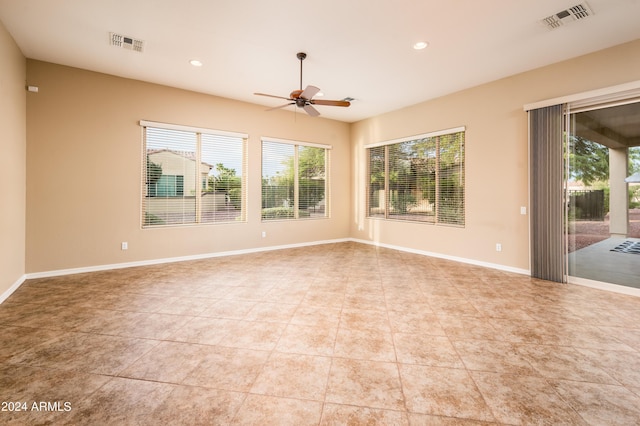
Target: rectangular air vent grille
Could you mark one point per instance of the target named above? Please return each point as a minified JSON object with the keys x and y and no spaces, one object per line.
{"x":125,"y":42}
{"x":574,"y":13}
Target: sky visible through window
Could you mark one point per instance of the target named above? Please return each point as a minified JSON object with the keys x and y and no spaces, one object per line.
{"x":215,"y":147}
{"x":275,"y":161}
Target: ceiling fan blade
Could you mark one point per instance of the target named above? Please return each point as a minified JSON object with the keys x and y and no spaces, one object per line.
{"x":309,"y":92}
{"x":311,"y":111}
{"x":330,"y":103}
{"x":272,"y":96}
{"x":281,"y":106}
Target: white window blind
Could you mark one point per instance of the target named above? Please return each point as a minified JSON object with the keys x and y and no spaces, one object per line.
{"x":418,"y":179}
{"x":377,"y":202}
{"x":191,"y":177}
{"x":223,"y":196}
{"x":450,"y":178}
{"x":311,"y":181}
{"x":169,"y":178}
{"x":294,"y":180}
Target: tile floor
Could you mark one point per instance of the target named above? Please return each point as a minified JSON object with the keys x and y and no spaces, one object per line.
{"x":333,"y":334}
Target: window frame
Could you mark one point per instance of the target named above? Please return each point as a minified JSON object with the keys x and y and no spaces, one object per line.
{"x":198,"y":195}
{"x":296,"y":174}
{"x":384,"y":211}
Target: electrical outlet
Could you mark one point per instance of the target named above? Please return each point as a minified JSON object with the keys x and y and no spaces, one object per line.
{"x":498,"y":247}
{"x":124,"y":245}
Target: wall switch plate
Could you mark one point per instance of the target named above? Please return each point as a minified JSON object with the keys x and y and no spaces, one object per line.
{"x":124,"y":245}
{"x":498,"y":247}
{"x":264,"y":234}
{"x":523,"y":210}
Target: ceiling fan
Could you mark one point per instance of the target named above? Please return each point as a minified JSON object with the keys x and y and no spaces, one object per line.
{"x":304,"y":98}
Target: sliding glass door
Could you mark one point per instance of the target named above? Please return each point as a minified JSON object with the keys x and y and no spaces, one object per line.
{"x":602,"y":209}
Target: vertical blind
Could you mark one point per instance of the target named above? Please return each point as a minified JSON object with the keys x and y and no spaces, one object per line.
{"x":418,"y":179}
{"x":191,"y":175}
{"x":547,"y":205}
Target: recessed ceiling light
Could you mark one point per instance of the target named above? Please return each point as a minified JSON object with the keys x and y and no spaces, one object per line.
{"x":195,"y":63}
{"x":420,"y":45}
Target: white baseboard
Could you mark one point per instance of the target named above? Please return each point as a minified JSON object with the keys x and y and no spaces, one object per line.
{"x":578,"y":281}
{"x":60,"y":272}
{"x":5,"y":295}
{"x":444,"y":256}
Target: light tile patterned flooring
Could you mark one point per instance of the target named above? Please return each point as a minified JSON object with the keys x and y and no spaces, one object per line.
{"x":332,"y":334}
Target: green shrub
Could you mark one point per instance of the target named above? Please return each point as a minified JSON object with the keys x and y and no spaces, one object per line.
{"x":277,"y":213}
{"x":152,"y":219}
{"x":634,"y":197}
{"x":235,"y":197}
{"x":282,"y":213}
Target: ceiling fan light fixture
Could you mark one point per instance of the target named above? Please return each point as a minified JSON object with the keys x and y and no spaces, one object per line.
{"x":420,"y":45}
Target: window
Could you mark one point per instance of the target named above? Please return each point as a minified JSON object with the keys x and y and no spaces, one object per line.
{"x":294,"y":180}
{"x":418,"y":179}
{"x":191,"y":175}
{"x":167,"y":186}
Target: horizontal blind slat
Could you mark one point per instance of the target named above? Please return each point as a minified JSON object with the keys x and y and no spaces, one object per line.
{"x":277,"y":180}
{"x":424,"y":177}
{"x":175,"y":184}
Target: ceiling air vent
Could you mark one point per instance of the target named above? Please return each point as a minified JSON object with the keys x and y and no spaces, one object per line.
{"x":125,"y":42}
{"x":574,"y":13}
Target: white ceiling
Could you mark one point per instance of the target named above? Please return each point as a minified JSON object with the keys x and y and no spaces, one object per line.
{"x":356,"y":48}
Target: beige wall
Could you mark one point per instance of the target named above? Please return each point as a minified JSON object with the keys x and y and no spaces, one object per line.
{"x":12,"y":161}
{"x":496,"y":156}
{"x":80,"y":115}
{"x":84,"y":133}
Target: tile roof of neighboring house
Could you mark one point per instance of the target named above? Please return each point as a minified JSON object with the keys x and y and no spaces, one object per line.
{"x":189,"y":155}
